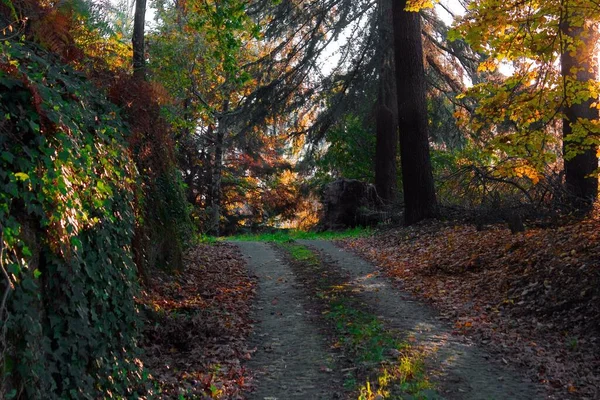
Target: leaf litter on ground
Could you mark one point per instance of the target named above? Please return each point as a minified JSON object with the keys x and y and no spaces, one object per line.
{"x":198,"y":320}
{"x":532,"y":298}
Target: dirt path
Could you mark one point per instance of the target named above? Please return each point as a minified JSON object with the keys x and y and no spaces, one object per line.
{"x":463,"y":371}
{"x":292,"y":359}
{"x":291,"y":354}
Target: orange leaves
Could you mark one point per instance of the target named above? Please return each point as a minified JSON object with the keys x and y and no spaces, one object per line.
{"x":463,"y":325}
{"x":53,"y":28}
{"x":200,"y":319}
{"x":530,"y":297}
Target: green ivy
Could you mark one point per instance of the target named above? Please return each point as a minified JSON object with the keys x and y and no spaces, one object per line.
{"x":67,"y":219}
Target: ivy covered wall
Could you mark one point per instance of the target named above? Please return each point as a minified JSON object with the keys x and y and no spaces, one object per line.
{"x":67,"y":218}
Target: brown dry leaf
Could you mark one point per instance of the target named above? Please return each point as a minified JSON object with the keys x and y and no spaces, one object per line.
{"x":198,"y":321}
{"x":532,"y":297}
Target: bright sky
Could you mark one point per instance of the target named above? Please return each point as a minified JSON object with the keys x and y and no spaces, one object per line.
{"x":452,"y":5}
{"x":330,"y":56}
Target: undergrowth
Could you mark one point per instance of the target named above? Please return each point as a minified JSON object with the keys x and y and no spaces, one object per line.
{"x":68,"y":321}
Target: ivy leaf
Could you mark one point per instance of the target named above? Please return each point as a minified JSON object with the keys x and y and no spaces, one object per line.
{"x":21,"y":176}
{"x":34,"y":126}
{"x":14,"y":269}
{"x":8,"y":157}
{"x":29,"y":284}
{"x":26,"y":252}
{"x":11,"y":189}
{"x":75,"y":242}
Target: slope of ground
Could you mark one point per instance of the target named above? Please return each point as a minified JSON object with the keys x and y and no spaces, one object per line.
{"x":198,"y":320}
{"x":531,"y":298}
{"x":299,"y":356}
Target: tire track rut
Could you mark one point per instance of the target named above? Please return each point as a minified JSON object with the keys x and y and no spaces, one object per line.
{"x":292,"y":357}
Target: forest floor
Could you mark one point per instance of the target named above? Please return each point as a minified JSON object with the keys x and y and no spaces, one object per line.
{"x":328,"y":324}
{"x":531,"y":299}
{"x":197,"y":323}
{"x":433,"y":311}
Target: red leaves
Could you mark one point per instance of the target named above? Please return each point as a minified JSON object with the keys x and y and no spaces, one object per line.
{"x":199,"y":320}
{"x":533,"y":297}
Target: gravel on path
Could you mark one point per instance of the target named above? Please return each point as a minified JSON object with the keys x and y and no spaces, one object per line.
{"x":460,"y":369}
{"x":292,"y":360}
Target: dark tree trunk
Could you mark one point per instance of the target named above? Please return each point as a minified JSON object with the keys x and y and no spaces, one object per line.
{"x":387,"y":110}
{"x":215,"y":187}
{"x":417,"y":177}
{"x":217,"y":173}
{"x":580,"y":65}
{"x":139,"y":19}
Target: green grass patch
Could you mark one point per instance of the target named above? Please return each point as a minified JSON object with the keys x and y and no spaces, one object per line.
{"x":390,"y":368}
{"x":287,"y":235}
{"x":206,"y":239}
{"x":360,"y":331}
{"x":300,"y":253}
{"x":399,"y":371}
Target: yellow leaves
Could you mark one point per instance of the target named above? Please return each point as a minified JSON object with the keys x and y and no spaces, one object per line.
{"x":593,"y":88}
{"x":417,"y":5}
{"x":529,"y":172}
{"x":488,"y":65}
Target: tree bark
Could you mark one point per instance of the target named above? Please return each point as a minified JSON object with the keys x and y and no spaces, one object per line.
{"x":137,"y":40}
{"x":579,"y":65}
{"x":215,"y":188}
{"x":386,"y":110}
{"x":217,"y":174}
{"x":417,"y":176}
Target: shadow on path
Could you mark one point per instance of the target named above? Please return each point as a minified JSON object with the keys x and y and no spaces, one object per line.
{"x":292,"y":358}
{"x":460,"y":369}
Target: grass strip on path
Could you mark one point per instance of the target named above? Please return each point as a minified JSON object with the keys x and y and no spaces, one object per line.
{"x":383,"y":366}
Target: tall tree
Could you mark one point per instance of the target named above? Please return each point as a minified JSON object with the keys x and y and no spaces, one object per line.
{"x":417,"y":177}
{"x":137,"y":40}
{"x":579,"y":63}
{"x":386,"y":116}
{"x":549,"y":99}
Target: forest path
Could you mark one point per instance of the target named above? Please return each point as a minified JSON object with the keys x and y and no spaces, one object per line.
{"x":292,"y":354}
{"x":460,"y":369}
{"x":292,"y":357}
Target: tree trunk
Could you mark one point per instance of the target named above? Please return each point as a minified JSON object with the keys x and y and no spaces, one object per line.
{"x":417,"y":177}
{"x":387,"y":110}
{"x":215,"y":187}
{"x":217,"y":173}
{"x":579,"y":65}
{"x":137,"y":40}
